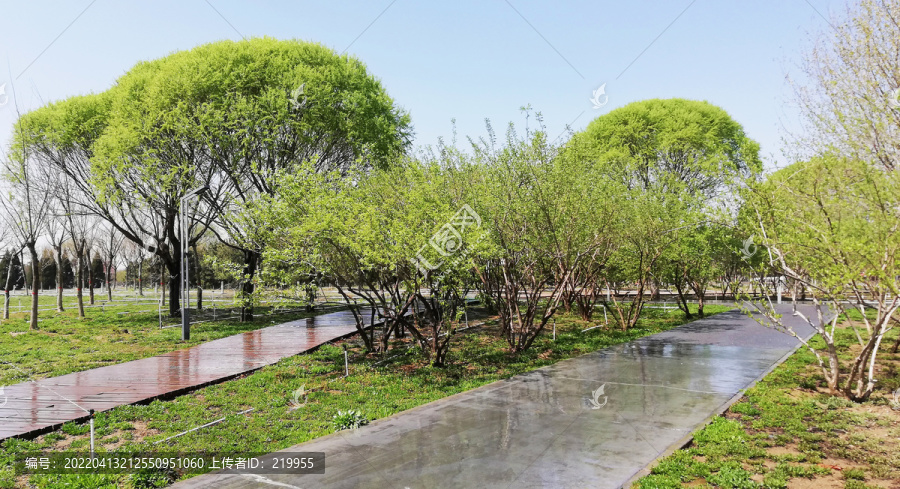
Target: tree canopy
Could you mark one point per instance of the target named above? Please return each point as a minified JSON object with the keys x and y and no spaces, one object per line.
{"x":227,"y":115}
{"x":657,"y":143}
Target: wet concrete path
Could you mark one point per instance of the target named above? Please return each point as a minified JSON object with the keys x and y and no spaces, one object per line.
{"x":553,"y":427}
{"x":29,"y":408}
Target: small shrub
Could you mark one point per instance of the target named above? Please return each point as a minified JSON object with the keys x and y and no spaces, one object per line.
{"x":733,"y":476}
{"x":71,"y":428}
{"x":834,"y":402}
{"x":855,"y":474}
{"x":809,"y":383}
{"x":349,"y":420}
{"x":855,"y":484}
{"x":775,"y":480}
{"x":745,"y":408}
{"x":660,"y":482}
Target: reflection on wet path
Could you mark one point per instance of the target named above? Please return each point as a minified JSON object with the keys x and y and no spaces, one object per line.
{"x":591,"y":421}
{"x":32,"y":407}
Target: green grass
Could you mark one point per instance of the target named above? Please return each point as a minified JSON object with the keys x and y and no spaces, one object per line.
{"x":117,"y":332}
{"x":786,"y":428}
{"x":374,"y":390}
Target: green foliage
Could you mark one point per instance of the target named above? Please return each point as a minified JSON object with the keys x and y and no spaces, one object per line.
{"x":677,"y":160}
{"x":830,"y":225}
{"x":732,"y":476}
{"x":549,"y":219}
{"x":833,"y":207}
{"x":745,"y":408}
{"x":228,"y":115}
{"x":227,"y":99}
{"x":71,"y":428}
{"x":657,"y":143}
{"x":349,"y":420}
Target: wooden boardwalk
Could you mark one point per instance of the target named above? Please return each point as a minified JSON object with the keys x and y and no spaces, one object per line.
{"x":31,"y":408}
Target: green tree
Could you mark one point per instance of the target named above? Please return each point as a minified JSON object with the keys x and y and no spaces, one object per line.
{"x":672,"y":145}
{"x":430,"y":198}
{"x":230,"y":115}
{"x":679,"y":160}
{"x":249,"y":111}
{"x":26,"y":206}
{"x":695,"y":260}
{"x":830,"y":224}
{"x":321,"y":224}
{"x":98,"y":271}
{"x":544,"y":218}
{"x":60,"y":136}
{"x":652,"y":223}
{"x":366,"y":233}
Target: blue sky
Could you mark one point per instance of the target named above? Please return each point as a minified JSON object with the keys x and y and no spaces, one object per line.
{"x":465,"y":60}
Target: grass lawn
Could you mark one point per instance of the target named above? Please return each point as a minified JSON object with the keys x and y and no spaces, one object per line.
{"x":375,"y":389}
{"x":787,"y":431}
{"x":117,"y":332}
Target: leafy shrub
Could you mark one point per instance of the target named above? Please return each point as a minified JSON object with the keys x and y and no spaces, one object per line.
{"x":349,"y":420}
{"x":732,"y":475}
{"x":745,"y":408}
{"x":71,"y":428}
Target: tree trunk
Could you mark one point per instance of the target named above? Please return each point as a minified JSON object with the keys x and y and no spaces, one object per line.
{"x":90,"y":267}
{"x":174,"y":288}
{"x":32,"y":250}
{"x":108,"y":281}
{"x":250,"y":261}
{"x":681,"y":300}
{"x":59,"y":279}
{"x":79,"y":281}
{"x":140,"y":276}
{"x":699,"y":289}
{"x":6,"y":289}
{"x":25,"y":285}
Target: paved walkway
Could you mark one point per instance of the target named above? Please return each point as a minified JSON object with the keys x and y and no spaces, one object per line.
{"x":34,"y":407}
{"x":552,"y":428}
